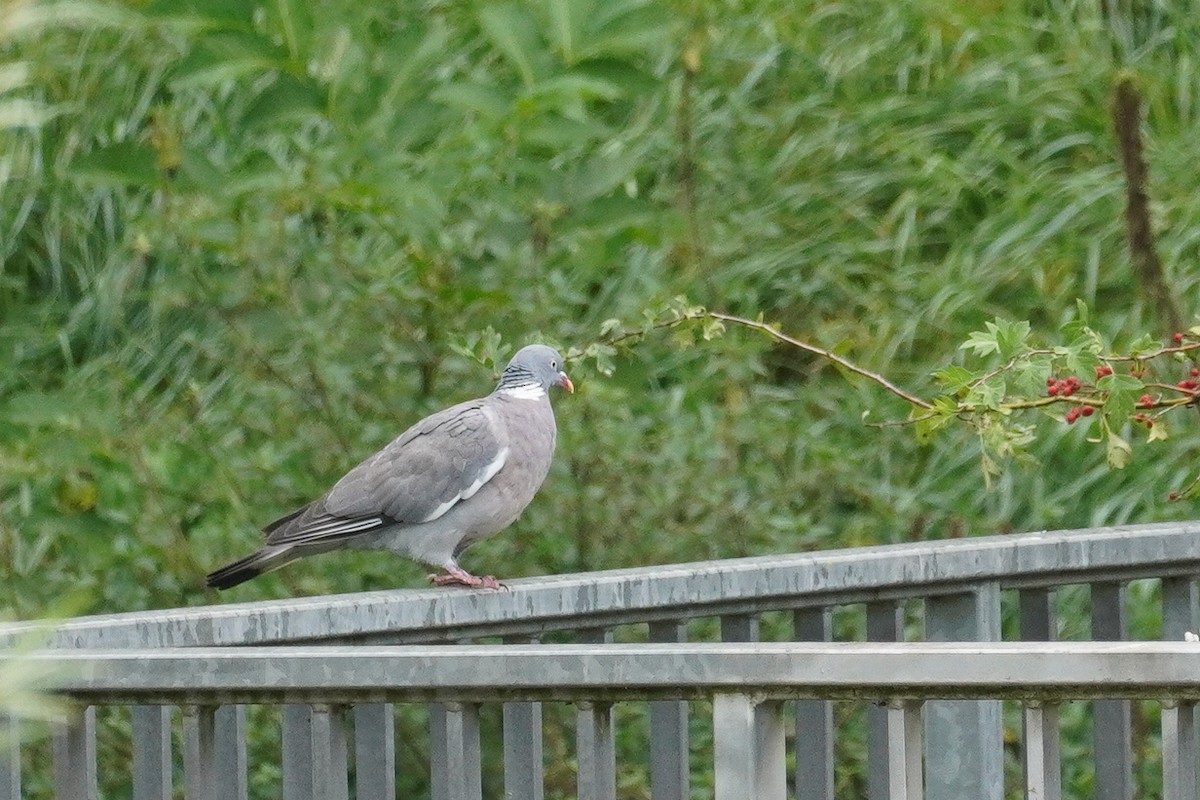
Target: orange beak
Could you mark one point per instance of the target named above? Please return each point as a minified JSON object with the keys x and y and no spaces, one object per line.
{"x":565,"y":382}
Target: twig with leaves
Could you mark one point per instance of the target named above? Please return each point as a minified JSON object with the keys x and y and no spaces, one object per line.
{"x":1003,"y":372}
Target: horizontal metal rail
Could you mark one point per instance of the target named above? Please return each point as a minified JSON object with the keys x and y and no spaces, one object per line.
{"x":883,"y":671}
{"x":602,"y":599}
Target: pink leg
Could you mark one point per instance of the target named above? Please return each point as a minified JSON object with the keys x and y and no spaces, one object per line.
{"x":457,"y":576}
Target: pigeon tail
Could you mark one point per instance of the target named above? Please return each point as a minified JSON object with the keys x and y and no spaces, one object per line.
{"x":253,"y":565}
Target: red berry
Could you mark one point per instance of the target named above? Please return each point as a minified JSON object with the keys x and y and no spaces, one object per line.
{"x":1087,"y":411}
{"x":1173,"y":496}
{"x":1149,"y":423}
{"x":1051,"y":380}
{"x":1195,"y":373}
{"x":1072,"y":415}
{"x":1183,"y":384}
{"x":1146,"y":400}
{"x":1053,"y":390}
{"x":1178,"y":338}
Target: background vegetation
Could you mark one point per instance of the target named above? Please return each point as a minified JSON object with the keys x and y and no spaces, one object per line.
{"x":243,"y":244}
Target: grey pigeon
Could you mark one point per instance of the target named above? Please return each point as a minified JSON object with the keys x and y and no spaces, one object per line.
{"x":454,"y":478}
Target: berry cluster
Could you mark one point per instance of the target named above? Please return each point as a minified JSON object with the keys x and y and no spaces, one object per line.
{"x":1190,"y":384}
{"x":1079,"y":411}
{"x":1146,"y":401}
{"x":1103,"y":370}
{"x":1062,"y":388}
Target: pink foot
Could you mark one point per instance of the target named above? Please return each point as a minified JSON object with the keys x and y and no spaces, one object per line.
{"x":456,"y":576}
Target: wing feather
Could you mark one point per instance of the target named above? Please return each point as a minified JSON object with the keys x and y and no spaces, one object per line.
{"x":427,"y":470}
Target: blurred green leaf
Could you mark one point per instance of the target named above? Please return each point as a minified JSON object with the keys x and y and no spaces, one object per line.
{"x":287,"y":99}
{"x":513,"y":31}
{"x":120,"y":163}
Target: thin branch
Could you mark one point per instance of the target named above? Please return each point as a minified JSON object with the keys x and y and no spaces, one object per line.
{"x":910,"y":398}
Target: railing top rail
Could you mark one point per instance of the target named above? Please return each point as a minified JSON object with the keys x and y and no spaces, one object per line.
{"x":597,"y":599}
{"x":905,"y":670}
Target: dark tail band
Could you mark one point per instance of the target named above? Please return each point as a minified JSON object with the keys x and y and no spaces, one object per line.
{"x":249,"y":567}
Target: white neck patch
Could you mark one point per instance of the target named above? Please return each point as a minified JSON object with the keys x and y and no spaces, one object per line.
{"x":530,"y":391}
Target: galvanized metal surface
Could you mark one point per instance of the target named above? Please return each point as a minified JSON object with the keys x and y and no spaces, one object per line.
{"x":10,"y":759}
{"x":152,"y":753}
{"x":374,"y":752}
{"x":601,"y":599}
{"x":964,"y":738}
{"x":911,"y":670}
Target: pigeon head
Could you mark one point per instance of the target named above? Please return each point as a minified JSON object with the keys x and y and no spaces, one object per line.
{"x":535,"y":368}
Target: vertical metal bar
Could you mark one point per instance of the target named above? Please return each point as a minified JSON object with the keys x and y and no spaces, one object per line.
{"x":733,"y":746}
{"x":1179,"y":601}
{"x":296,"y":751}
{"x":595,"y":740}
{"x":904,"y":751}
{"x":439,"y":759}
{"x":1037,"y":773}
{"x":885,"y":623}
{"x":523,"y":770}
{"x":329,"y":777}
{"x":814,"y":718}
{"x":374,"y":752}
{"x":1041,"y":757}
{"x":75,"y":757}
{"x":199,"y":752}
{"x":151,"y":753}
{"x":966,"y":743}
{"x":739,"y":628}
{"x":748,"y":749}
{"x":595,"y":752}
{"x":230,"y":743}
{"x":1181,"y":615}
{"x":10,"y":759}
{"x":770,"y":751}
{"x":1111,"y":721}
{"x":1179,"y":751}
{"x":1039,"y":623}
{"x":669,"y":779}
{"x":456,"y":771}
{"x":523,"y":751}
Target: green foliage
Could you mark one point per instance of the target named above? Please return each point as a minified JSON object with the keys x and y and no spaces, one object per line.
{"x":247,"y":243}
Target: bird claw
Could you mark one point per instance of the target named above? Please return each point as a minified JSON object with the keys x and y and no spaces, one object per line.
{"x":460,"y":577}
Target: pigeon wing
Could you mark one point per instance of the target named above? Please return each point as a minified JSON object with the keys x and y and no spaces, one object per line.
{"x":434,"y":465}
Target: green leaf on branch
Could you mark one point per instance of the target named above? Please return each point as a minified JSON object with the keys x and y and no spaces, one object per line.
{"x":1029,"y":375}
{"x":1118,"y":452}
{"x":1003,"y":337}
{"x":989,"y":394}
{"x":982,"y":342}
{"x":943,"y":412}
{"x":1144,"y":345}
{"x":953,"y":379}
{"x":713,"y":329}
{"x":1123,"y":391}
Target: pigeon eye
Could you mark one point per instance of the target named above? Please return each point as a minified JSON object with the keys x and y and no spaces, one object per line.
{"x":553,"y":364}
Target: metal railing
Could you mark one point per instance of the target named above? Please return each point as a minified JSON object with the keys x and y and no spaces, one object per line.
{"x":747,"y":684}
{"x":951,"y":591}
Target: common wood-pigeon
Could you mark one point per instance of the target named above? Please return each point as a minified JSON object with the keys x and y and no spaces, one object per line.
{"x":454,"y":478}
